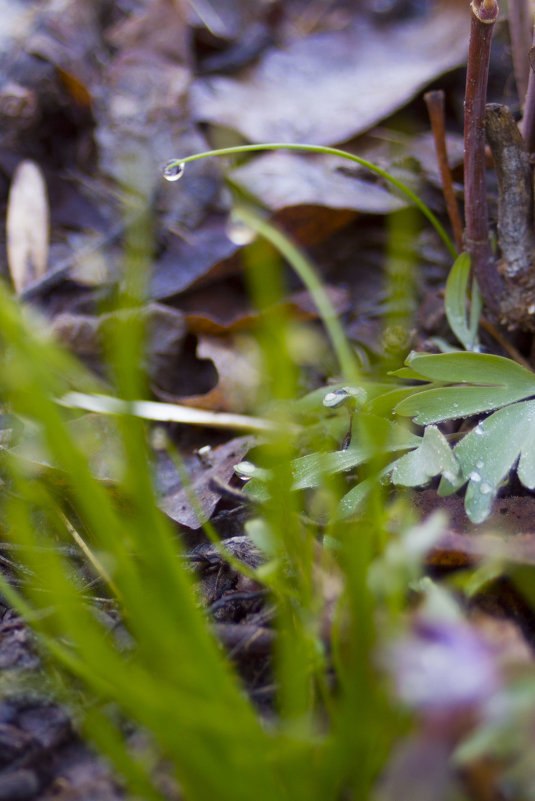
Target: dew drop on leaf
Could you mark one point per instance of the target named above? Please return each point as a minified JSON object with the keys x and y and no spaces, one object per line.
{"x":245,"y":470}
{"x":485,"y":488}
{"x":173,"y":170}
{"x":475,"y":477}
{"x":335,"y":398}
{"x":449,"y":476}
{"x":478,"y":430}
{"x":479,"y":464}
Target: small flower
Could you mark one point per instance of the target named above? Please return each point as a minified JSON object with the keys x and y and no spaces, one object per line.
{"x":443,"y":666}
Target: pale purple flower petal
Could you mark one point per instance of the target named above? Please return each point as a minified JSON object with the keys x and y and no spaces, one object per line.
{"x":443,"y":666}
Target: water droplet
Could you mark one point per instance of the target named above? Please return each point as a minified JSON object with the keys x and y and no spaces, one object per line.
{"x":475,"y":477}
{"x":479,"y":464}
{"x":449,"y":476}
{"x":485,"y":488}
{"x":245,"y":470}
{"x":455,"y":405}
{"x":335,"y":398}
{"x":478,"y":430}
{"x":205,"y":455}
{"x":173,"y":170}
{"x":239,"y":232}
{"x":159,"y":439}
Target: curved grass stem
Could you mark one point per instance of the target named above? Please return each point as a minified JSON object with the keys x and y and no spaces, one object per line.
{"x":344,"y":353}
{"x":175,"y":164}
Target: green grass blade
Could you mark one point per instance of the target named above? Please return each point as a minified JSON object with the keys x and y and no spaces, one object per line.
{"x":330,"y":151}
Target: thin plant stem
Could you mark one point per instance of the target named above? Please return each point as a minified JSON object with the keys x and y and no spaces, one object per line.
{"x":91,"y":556}
{"x":520,"y":25}
{"x":484,"y":16}
{"x":177,"y":163}
{"x":305,"y":271}
{"x":435,"y":107}
{"x":504,"y":342}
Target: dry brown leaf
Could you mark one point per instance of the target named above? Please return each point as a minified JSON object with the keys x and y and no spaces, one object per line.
{"x":329,"y":87}
{"x":202,"y":255}
{"x":28,"y":224}
{"x":387,"y":147}
{"x":237,"y":363}
{"x":158,"y":26}
{"x":226,"y":20}
{"x":219,"y":464}
{"x":280,"y":180}
{"x":227,"y":310}
{"x":86,"y":335}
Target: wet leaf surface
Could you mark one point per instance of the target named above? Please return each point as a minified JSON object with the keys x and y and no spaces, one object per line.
{"x":87,"y":335}
{"x":365,"y":75}
{"x":279,"y":180}
{"x":218,"y":463}
{"x":237,"y":363}
{"x":204,"y":254}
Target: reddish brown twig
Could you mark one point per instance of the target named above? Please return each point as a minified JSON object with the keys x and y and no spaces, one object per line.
{"x":435,"y":107}
{"x":484,"y":15}
{"x":508,"y":347}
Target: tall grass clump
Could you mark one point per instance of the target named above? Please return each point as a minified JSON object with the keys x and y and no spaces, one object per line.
{"x":333,"y":722}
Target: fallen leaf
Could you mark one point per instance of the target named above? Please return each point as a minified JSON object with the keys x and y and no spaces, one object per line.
{"x":237,"y":362}
{"x":282,"y":179}
{"x":226,"y":20}
{"x":86,"y":334}
{"x":201,"y":254}
{"x":158,"y":26}
{"x":69,"y":37}
{"x":142,"y":113}
{"x":313,"y":225}
{"x":28,"y":220}
{"x":330,"y":86}
{"x":389,"y":148}
{"x":16,"y":20}
{"x":228,"y":310}
{"x":218,"y":464}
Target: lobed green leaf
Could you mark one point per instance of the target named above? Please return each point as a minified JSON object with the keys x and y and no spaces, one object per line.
{"x":482,"y":383}
{"x":432,"y":457}
{"x":488,"y":453}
